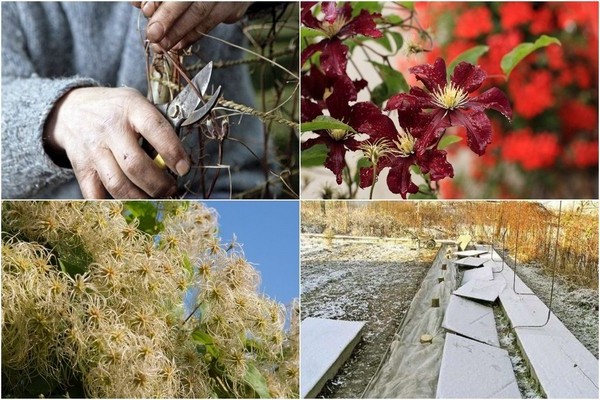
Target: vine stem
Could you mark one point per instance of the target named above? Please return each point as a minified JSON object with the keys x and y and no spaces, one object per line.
{"x":262,"y":115}
{"x":374,"y":180}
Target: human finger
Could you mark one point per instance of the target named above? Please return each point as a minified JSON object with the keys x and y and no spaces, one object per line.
{"x":90,"y":184}
{"x":163,"y":19}
{"x":220,"y":12}
{"x":200,"y":15}
{"x":114,"y":179}
{"x":139,"y":167}
{"x":149,"y":123}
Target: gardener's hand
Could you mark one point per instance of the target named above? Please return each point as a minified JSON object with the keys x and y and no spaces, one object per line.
{"x":176,"y":25}
{"x":98,"y":129}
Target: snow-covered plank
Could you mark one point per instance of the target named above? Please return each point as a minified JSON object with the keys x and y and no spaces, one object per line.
{"x":496,"y":265}
{"x":469,"y":318}
{"x":475,"y":370}
{"x":470,"y":253}
{"x":484,"y":273}
{"x":485,"y":290}
{"x":325,"y":345}
{"x":470,"y":262}
{"x":563,"y":366}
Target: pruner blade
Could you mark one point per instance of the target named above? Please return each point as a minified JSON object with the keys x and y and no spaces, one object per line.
{"x":203,"y":111}
{"x":188,"y":100}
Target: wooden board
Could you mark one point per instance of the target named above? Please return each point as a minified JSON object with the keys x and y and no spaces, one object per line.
{"x":471,"y":319}
{"x":470,"y":253}
{"x":325,"y":345}
{"x":484,"y":290}
{"x":471,"y":369}
{"x":562,"y":365}
{"x":484,"y":274}
{"x":469,"y":262}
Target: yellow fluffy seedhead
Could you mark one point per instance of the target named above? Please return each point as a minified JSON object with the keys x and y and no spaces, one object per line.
{"x":85,"y":288}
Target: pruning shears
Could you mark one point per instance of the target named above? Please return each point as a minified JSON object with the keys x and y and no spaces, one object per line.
{"x":187,"y":108}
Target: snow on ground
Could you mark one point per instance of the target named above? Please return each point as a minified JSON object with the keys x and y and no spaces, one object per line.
{"x":373,"y":282}
{"x":577,"y":308}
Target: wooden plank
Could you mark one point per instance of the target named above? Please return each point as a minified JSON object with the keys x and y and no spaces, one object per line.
{"x":470,"y":253}
{"x":471,"y":369}
{"x":484,"y":290}
{"x":471,"y":319}
{"x":469,"y":262}
{"x":484,"y":274}
{"x":563,"y":367}
{"x":325,"y":345}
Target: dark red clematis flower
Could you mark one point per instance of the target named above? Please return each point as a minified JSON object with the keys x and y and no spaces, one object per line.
{"x":401,"y":150}
{"x":363,"y":117}
{"x":317,"y":86}
{"x":337,"y":25}
{"x":450,"y":102}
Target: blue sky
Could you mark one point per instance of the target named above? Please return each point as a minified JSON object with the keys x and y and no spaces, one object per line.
{"x":269,"y":233}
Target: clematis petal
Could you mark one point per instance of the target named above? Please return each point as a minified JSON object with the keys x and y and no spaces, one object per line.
{"x":367,"y":118}
{"x":335,"y":161}
{"x":323,"y":138}
{"x":333,"y":57}
{"x":343,"y":93}
{"x":366,"y":174}
{"x":435,"y":163}
{"x":468,"y":76}
{"x":307,"y":17}
{"x":410,"y":113}
{"x":312,"y":49}
{"x":433,"y":75}
{"x":493,"y":98}
{"x":309,"y":110}
{"x":479,"y":128}
{"x":363,"y":24}
{"x":399,"y":178}
{"x":314,"y":83}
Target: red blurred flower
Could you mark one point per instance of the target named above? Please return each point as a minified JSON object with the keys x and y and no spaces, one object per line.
{"x":576,"y":116}
{"x":513,"y":14}
{"x":473,"y":22}
{"x":583,"y":154}
{"x":542,"y":21}
{"x":531,"y":151}
{"x":337,"y":24}
{"x":532,"y":95}
{"x":499,"y":45}
{"x":450,"y":103}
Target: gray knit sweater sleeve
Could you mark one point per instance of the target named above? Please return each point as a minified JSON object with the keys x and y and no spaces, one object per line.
{"x":27,"y":99}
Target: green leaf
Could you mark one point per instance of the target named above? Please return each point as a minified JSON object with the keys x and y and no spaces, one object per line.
{"x":370,"y":6}
{"x":447,"y":140}
{"x":516,"y":55}
{"x":314,"y":156}
{"x":306,"y":32}
{"x":393,"y":79}
{"x":146,"y":212}
{"x":415,"y":169}
{"x":424,"y":192}
{"x":471,"y":56}
{"x":325,"y":122}
{"x":380,"y":93}
{"x":257,"y":382}
{"x":398,"y":39}
{"x":205,"y":341}
{"x":187,"y":263}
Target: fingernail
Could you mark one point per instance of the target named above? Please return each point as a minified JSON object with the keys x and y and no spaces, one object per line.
{"x":155,"y":32}
{"x":182,"y":167}
{"x":146,"y":8}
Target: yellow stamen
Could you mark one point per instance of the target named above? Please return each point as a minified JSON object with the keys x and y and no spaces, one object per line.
{"x":405,"y":144}
{"x":338,"y":134}
{"x":333,"y":28}
{"x":450,"y":97}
